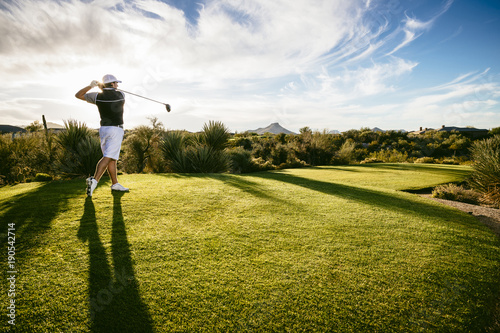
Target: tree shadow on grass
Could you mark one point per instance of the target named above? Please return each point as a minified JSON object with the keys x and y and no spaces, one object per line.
{"x":250,"y":187}
{"x":420,"y":167}
{"x":395,"y":202}
{"x":382,"y":199}
{"x":115,"y":304}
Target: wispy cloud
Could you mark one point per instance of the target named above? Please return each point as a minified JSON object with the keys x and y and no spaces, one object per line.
{"x":241,"y":61}
{"x":413,"y":28}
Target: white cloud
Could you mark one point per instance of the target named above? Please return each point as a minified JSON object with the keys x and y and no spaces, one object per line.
{"x":245,"y":62}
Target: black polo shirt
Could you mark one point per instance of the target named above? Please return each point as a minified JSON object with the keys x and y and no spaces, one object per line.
{"x":110,"y":104}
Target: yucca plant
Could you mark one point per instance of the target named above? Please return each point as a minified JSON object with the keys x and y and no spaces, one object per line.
{"x":81,"y":149}
{"x":173,"y":146}
{"x":201,"y":153}
{"x":485,"y":177}
{"x":204,"y":159}
{"x":215,"y":135}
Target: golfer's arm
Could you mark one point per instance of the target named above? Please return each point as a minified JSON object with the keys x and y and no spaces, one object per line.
{"x":81,"y":93}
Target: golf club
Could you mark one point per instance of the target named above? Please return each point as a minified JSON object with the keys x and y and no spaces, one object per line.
{"x":127,"y":92}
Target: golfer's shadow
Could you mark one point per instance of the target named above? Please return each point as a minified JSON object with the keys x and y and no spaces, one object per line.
{"x":114,"y":301}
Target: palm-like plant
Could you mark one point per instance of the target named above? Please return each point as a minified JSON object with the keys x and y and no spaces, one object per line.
{"x":202,"y":153}
{"x":486,"y":175}
{"x":81,"y":149}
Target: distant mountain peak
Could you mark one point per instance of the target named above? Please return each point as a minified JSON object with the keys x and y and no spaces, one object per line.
{"x":274,"y":128}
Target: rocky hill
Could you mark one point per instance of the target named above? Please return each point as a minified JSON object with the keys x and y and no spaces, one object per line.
{"x":274,"y":128}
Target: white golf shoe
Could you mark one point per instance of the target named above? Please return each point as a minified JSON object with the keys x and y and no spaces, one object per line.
{"x":91,"y":185}
{"x":118,"y":187}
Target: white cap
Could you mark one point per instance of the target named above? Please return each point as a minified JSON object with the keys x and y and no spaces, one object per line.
{"x":108,"y":78}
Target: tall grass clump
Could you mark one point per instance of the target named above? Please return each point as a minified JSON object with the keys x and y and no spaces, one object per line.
{"x":485,"y":177}
{"x":456,"y":193}
{"x":197,"y":153}
{"x":81,"y":149}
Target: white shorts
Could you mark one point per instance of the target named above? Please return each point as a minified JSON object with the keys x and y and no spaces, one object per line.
{"x":111,"y":141}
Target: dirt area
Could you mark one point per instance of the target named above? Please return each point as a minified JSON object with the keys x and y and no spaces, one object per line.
{"x":487,"y":215}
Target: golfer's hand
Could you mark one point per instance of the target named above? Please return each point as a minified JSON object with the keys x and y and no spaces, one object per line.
{"x":94,"y":84}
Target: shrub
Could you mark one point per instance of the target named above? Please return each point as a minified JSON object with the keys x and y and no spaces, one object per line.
{"x":214,"y":135}
{"x":204,"y":152}
{"x":450,"y":161}
{"x":456,"y":193}
{"x":346,"y":155}
{"x":371,"y":160}
{"x":173,"y":148}
{"x":81,"y":149}
{"x":390,"y":156}
{"x":22,"y":157}
{"x":485,"y":177}
{"x":205,"y":159}
{"x":425,"y":160}
{"x":241,"y":161}
{"x":141,"y":149}
{"x":43,"y":177}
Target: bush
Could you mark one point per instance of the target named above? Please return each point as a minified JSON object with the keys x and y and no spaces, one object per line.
{"x":141,"y":149}
{"x":173,"y":147}
{"x":81,"y":149}
{"x":346,"y":155}
{"x":425,"y":160}
{"x":202,"y":153}
{"x":241,"y":161}
{"x":43,"y":177}
{"x":485,"y":177}
{"x":450,"y":161}
{"x":371,"y":160}
{"x":456,"y":193}
{"x":22,"y":157}
{"x":215,"y":135}
{"x":390,"y":156}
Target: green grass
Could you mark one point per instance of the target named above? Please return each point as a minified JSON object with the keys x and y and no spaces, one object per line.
{"x":338,"y":249}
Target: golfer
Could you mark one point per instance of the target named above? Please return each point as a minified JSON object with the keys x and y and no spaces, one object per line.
{"x":110,"y":105}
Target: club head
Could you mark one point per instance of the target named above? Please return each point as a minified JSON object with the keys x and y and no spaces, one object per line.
{"x":168,"y":107}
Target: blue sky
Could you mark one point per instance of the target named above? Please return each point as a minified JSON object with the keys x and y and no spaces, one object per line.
{"x":326,"y":64}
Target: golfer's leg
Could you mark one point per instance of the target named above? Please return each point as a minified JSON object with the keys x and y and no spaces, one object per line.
{"x":112,"y":170}
{"x":101,"y":167}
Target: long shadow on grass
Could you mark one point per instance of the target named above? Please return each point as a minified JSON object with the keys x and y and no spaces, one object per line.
{"x":371,"y":197}
{"x":115,"y":304}
{"x":396,"y":203}
{"x":422,"y":167}
{"x":245,"y":185}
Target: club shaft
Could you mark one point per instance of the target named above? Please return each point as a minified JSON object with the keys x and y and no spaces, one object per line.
{"x":128,"y":92}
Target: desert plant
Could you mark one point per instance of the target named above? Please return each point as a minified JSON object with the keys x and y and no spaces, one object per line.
{"x":43,"y":177}
{"x":345,"y":154}
{"x":81,"y":149}
{"x":203,"y":152}
{"x":425,"y":160}
{"x":21,"y":157}
{"x":390,"y":156}
{"x":214,"y":135}
{"x":205,"y":159}
{"x":485,"y":177}
{"x":141,"y":149}
{"x":456,"y":193}
{"x":173,"y":146}
{"x":241,"y":161}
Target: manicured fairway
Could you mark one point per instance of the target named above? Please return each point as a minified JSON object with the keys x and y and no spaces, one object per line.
{"x":337,"y":249}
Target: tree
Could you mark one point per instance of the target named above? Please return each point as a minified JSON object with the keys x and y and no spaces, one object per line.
{"x":34,"y":126}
